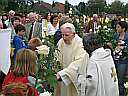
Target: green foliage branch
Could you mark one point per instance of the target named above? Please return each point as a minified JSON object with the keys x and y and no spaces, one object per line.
{"x":48,"y":65}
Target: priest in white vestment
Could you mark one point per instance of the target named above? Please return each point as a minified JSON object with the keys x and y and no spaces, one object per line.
{"x":101,"y":78}
{"x":73,"y":58}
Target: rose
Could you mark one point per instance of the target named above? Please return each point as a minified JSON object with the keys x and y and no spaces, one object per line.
{"x":43,"y":49}
{"x":105,"y":27}
{"x":46,"y":94}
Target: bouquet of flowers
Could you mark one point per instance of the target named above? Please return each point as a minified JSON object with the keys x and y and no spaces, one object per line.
{"x":120,"y":50}
{"x":47,"y":66}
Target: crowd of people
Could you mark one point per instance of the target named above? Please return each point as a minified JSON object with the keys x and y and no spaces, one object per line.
{"x":87,"y":67}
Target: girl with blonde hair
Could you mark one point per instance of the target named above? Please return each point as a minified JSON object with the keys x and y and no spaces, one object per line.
{"x":24,"y":70}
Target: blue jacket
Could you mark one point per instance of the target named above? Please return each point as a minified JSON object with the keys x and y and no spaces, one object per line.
{"x":18,"y":43}
{"x":125,"y":37}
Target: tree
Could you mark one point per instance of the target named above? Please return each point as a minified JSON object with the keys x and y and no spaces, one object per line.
{"x":116,"y":7}
{"x":107,"y":9}
{"x":66,"y":6}
{"x":96,"y":6}
{"x":125,"y":10}
{"x":53,"y":3}
{"x":12,"y":5}
{"x":81,"y":7}
{"x":3,"y":5}
{"x":23,"y":6}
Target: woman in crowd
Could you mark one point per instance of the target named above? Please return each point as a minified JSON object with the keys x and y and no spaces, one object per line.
{"x":120,"y":59}
{"x":54,"y":26}
{"x":14,"y":22}
{"x":23,"y":72}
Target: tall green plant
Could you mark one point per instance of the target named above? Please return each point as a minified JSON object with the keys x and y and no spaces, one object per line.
{"x":48,"y":64}
{"x":106,"y":36}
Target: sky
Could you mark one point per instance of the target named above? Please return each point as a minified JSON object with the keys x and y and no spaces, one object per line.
{"x":76,"y":2}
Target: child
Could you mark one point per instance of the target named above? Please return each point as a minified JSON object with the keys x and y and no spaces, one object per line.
{"x":24,"y":70}
{"x":18,"y":42}
{"x":34,"y":42}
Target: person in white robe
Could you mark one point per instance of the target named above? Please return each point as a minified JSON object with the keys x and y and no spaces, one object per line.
{"x":73,"y":58}
{"x":101,"y":78}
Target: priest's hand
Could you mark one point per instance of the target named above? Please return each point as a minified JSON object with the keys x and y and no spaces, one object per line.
{"x":58,"y":77}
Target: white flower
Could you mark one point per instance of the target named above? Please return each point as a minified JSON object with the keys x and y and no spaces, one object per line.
{"x":99,"y":26}
{"x":43,"y":49}
{"x":126,"y":85}
{"x":105,"y":27}
{"x":90,"y":30}
{"x":46,"y":94}
{"x":121,"y":42}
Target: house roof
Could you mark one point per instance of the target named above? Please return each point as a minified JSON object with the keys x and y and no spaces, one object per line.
{"x":46,"y":7}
